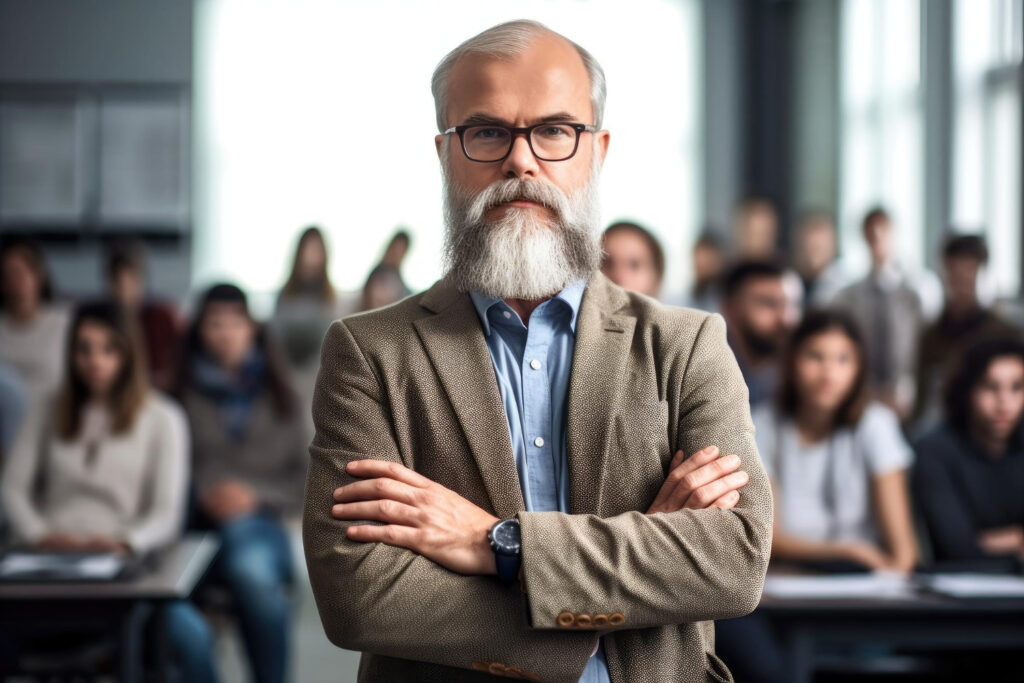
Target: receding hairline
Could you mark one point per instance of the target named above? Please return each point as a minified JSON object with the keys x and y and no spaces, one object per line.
{"x":506,"y":42}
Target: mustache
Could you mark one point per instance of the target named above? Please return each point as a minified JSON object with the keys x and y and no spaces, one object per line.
{"x":516,"y":189}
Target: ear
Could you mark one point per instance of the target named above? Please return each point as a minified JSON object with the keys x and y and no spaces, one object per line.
{"x":603,"y":139}
{"x":438,"y":142}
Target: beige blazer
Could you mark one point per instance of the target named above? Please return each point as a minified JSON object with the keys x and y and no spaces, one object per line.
{"x":413,"y":383}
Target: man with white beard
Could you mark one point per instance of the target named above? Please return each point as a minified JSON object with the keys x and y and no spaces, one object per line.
{"x":526,"y":471}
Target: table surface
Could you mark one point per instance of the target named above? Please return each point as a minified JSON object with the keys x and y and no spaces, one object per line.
{"x":169,"y":574}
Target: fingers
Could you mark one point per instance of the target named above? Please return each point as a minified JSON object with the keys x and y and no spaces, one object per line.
{"x":728,"y":501}
{"x":385,"y":468}
{"x":374,"y":489}
{"x":678,"y":468}
{"x":385,"y":510}
{"x":391,"y":534}
{"x":689,"y":482}
{"x":705,"y":495}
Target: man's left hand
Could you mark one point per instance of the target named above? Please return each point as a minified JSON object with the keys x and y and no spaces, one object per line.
{"x":417,"y":514}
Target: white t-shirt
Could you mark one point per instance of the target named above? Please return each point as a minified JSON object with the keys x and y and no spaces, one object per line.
{"x":824,"y":489}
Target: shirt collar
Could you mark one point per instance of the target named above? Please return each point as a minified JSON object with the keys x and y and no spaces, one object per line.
{"x":572,"y":295}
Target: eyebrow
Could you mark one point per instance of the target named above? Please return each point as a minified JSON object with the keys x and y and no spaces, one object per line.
{"x":482,"y":118}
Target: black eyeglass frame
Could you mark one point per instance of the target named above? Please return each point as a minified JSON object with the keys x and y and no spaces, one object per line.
{"x":515,"y":132}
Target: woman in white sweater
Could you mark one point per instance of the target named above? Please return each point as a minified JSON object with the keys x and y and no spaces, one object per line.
{"x":103,"y":466}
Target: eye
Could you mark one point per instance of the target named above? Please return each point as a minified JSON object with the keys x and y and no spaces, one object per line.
{"x":487,"y":133}
{"x":553,"y":132}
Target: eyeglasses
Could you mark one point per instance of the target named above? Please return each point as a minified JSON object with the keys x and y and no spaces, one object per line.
{"x":493,"y":142}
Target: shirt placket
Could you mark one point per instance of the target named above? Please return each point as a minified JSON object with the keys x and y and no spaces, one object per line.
{"x":537,"y":412}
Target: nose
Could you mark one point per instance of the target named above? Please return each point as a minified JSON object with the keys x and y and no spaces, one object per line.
{"x":520,"y":162}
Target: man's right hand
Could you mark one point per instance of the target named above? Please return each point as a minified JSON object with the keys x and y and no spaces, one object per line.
{"x":701,"y":481}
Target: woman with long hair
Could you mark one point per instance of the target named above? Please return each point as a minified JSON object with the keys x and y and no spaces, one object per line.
{"x":838,"y":461}
{"x":969,"y":474}
{"x":249,"y":462}
{"x":103,"y":467}
{"x":32,"y":326}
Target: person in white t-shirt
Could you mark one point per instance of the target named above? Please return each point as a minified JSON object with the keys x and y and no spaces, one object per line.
{"x":838,"y":461}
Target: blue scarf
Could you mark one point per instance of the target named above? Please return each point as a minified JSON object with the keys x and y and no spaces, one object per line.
{"x":234,"y":393}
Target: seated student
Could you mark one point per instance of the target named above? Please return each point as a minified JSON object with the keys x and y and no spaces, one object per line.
{"x":837,"y":462}
{"x":633,"y":258}
{"x":104,"y":466}
{"x":32,"y":327}
{"x":969,"y":475}
{"x":249,"y":461}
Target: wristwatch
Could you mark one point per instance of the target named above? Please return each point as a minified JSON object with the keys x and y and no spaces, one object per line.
{"x":505,"y":542}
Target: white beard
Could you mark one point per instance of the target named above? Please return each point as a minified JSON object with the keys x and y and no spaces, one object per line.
{"x":522,"y":254}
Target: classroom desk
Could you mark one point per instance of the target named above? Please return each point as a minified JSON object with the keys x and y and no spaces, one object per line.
{"x":122,"y":606}
{"x":923,"y":620}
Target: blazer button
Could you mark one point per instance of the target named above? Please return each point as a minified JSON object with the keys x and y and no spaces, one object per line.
{"x":566,"y":619}
{"x":584,"y":620}
{"x":600,"y":620}
{"x":616,"y":619}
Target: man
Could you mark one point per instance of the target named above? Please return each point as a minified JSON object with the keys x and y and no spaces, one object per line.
{"x":815,"y":258}
{"x":963,"y":322}
{"x":757,"y":314}
{"x":708,"y":267}
{"x":518,"y":433}
{"x":889,"y":310}
{"x":633,"y":258}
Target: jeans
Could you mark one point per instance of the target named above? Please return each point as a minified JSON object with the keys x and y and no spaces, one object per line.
{"x":255,"y":564}
{"x":190,"y":642}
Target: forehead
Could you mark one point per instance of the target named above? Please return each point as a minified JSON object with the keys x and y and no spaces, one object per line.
{"x":549,"y":77}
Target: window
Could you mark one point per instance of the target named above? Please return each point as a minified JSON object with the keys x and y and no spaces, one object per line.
{"x":881,"y":124}
{"x":986,"y":158}
{"x":281,"y":85}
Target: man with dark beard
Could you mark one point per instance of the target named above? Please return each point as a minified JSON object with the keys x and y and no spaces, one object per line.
{"x":527,"y":471}
{"x":755,"y":307}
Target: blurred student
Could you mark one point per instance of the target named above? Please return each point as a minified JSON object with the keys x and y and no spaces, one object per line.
{"x":249,"y":466}
{"x":815,"y":258}
{"x":157,"y":321}
{"x":307,"y":304}
{"x":633,"y":258}
{"x":709,"y":259}
{"x":394,"y":257}
{"x":32,"y":327}
{"x":888,"y":309}
{"x":13,"y":404}
{"x":755,"y":230}
{"x":103,"y":467}
{"x":383,"y":287}
{"x":964,"y":321}
{"x":755,"y":308}
{"x":969,"y":474}
{"x":837,"y":460}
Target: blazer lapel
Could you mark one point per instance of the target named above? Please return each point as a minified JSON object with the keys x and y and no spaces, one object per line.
{"x":603,"y":339}
{"x":458,"y":352}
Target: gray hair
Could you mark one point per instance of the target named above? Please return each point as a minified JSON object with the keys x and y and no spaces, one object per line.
{"x":506,"y":41}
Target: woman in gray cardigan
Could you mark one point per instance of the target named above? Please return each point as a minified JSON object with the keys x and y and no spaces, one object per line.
{"x":103,"y":467}
{"x":249,"y":466}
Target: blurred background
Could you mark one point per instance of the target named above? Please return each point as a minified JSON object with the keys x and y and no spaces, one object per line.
{"x":193,"y":143}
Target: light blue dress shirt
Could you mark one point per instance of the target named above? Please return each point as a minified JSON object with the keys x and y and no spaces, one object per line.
{"x":532,"y":365}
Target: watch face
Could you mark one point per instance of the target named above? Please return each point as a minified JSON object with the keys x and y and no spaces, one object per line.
{"x":506,"y":535}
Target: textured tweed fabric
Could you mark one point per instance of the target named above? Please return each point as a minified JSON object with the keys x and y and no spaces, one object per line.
{"x":413,"y":383}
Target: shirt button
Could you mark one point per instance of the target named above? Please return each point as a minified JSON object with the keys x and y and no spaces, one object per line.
{"x":535,"y":364}
{"x":507,"y":314}
{"x":538,"y":442}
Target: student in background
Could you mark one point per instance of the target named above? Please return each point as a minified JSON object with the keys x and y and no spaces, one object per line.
{"x":837,"y":460}
{"x":633,"y":258}
{"x":13,"y":404}
{"x":32,"y":327}
{"x":888,"y":308}
{"x":708,"y":267}
{"x":969,"y":475}
{"x":383,"y":287}
{"x":755,"y":307}
{"x":815,"y":258}
{"x":307,"y":304}
{"x":964,"y":321}
{"x":249,"y":463}
{"x":755,"y":230}
{"x":157,"y":321}
{"x":394,"y":256}
{"x":103,"y":467}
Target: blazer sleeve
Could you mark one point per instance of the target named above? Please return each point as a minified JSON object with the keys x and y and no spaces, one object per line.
{"x":665,"y":568}
{"x":391,"y":601}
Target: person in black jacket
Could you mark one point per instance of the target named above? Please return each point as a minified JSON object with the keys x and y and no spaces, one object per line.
{"x":969,"y":477}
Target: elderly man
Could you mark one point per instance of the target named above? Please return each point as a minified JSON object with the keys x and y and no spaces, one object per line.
{"x":498,"y":483}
